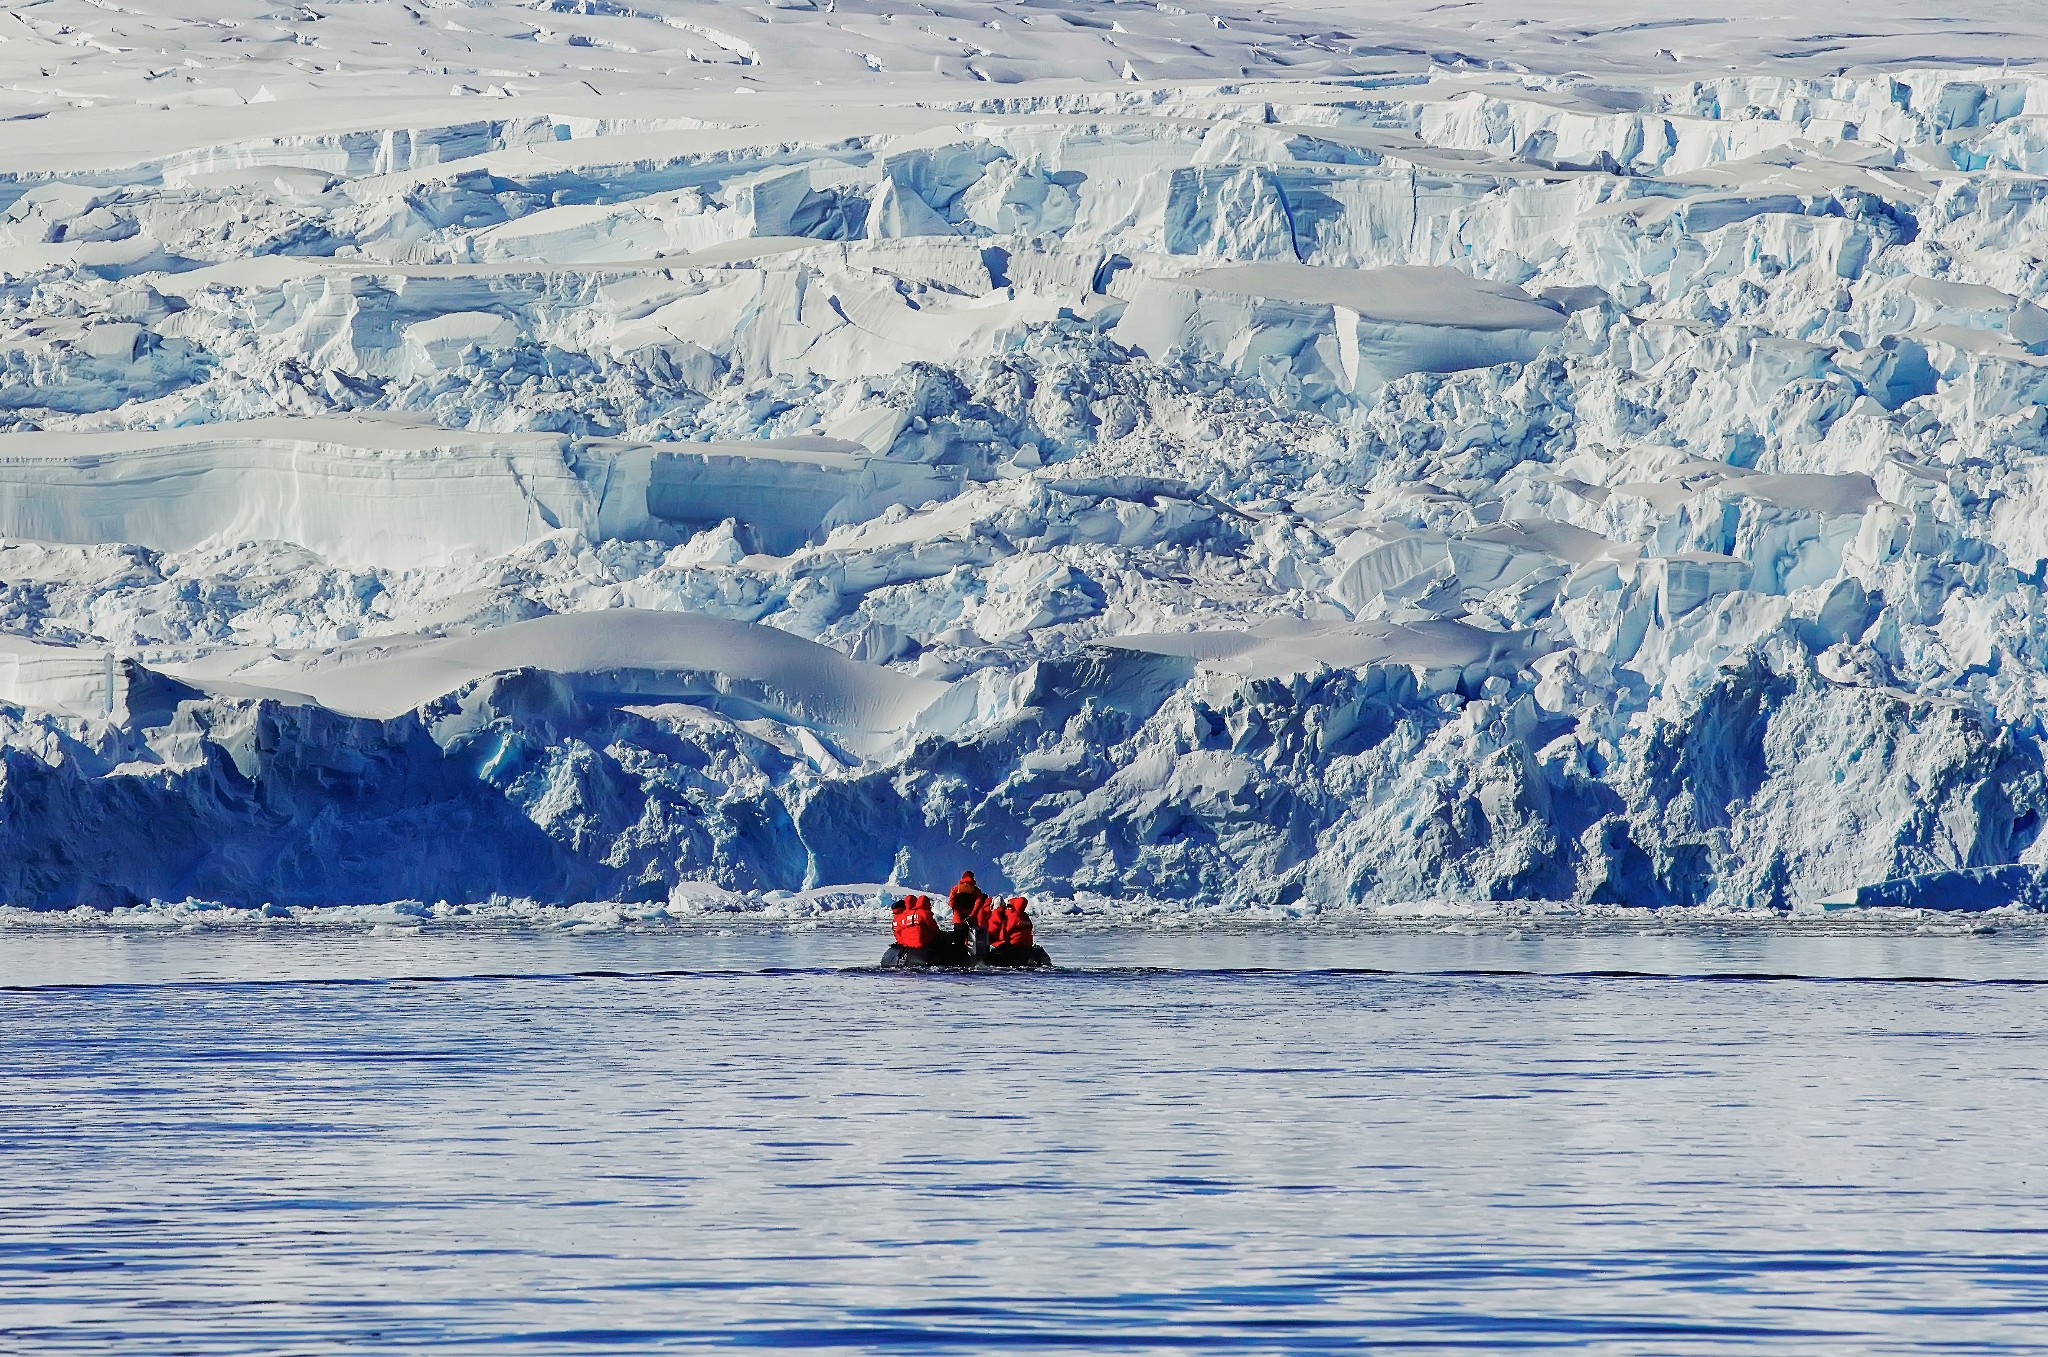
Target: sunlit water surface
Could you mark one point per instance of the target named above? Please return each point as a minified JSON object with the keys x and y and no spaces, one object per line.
{"x":1609,"y":1138}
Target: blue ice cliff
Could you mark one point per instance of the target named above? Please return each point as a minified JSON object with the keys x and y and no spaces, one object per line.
{"x":1319,"y":485}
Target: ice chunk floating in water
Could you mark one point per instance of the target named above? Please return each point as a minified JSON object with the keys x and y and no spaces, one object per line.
{"x":1286,"y":456}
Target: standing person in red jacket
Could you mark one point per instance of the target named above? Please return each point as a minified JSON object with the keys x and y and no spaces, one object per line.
{"x":970,"y":917}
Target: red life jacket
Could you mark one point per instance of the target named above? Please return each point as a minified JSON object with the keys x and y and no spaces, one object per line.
{"x":914,"y":925}
{"x":1009,"y":926}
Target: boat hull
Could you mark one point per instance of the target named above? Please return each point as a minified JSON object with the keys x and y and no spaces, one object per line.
{"x":901,"y":958}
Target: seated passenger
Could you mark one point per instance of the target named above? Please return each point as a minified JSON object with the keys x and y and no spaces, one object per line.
{"x":915,"y":926}
{"x":1009,"y":933}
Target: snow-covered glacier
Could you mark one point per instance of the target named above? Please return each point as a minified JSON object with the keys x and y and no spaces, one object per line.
{"x":1301,"y":454}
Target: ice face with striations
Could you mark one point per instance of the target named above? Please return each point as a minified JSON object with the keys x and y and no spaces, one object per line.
{"x":1298,"y":454}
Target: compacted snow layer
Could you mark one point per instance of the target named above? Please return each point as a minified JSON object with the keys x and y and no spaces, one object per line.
{"x":1304,"y":456}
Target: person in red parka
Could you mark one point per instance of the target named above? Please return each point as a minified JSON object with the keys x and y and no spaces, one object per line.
{"x":915,"y":927}
{"x":1009,"y":933}
{"x":970,"y":917}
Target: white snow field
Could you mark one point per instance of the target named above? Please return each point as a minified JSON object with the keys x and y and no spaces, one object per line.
{"x":1308,"y":454}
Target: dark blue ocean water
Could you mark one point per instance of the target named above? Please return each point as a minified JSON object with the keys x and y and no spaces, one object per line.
{"x":1598,"y":1138}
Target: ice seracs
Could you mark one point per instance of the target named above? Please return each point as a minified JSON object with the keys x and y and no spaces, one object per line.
{"x":1337,"y":330}
{"x":1267,"y":456}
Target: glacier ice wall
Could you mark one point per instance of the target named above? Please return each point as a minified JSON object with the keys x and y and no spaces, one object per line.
{"x":567,"y":450}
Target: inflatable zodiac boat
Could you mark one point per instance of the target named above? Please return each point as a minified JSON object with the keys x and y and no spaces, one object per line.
{"x":989,"y":932}
{"x":901,"y":958}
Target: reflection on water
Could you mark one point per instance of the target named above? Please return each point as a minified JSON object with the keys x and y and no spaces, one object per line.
{"x":1598,"y":1139}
